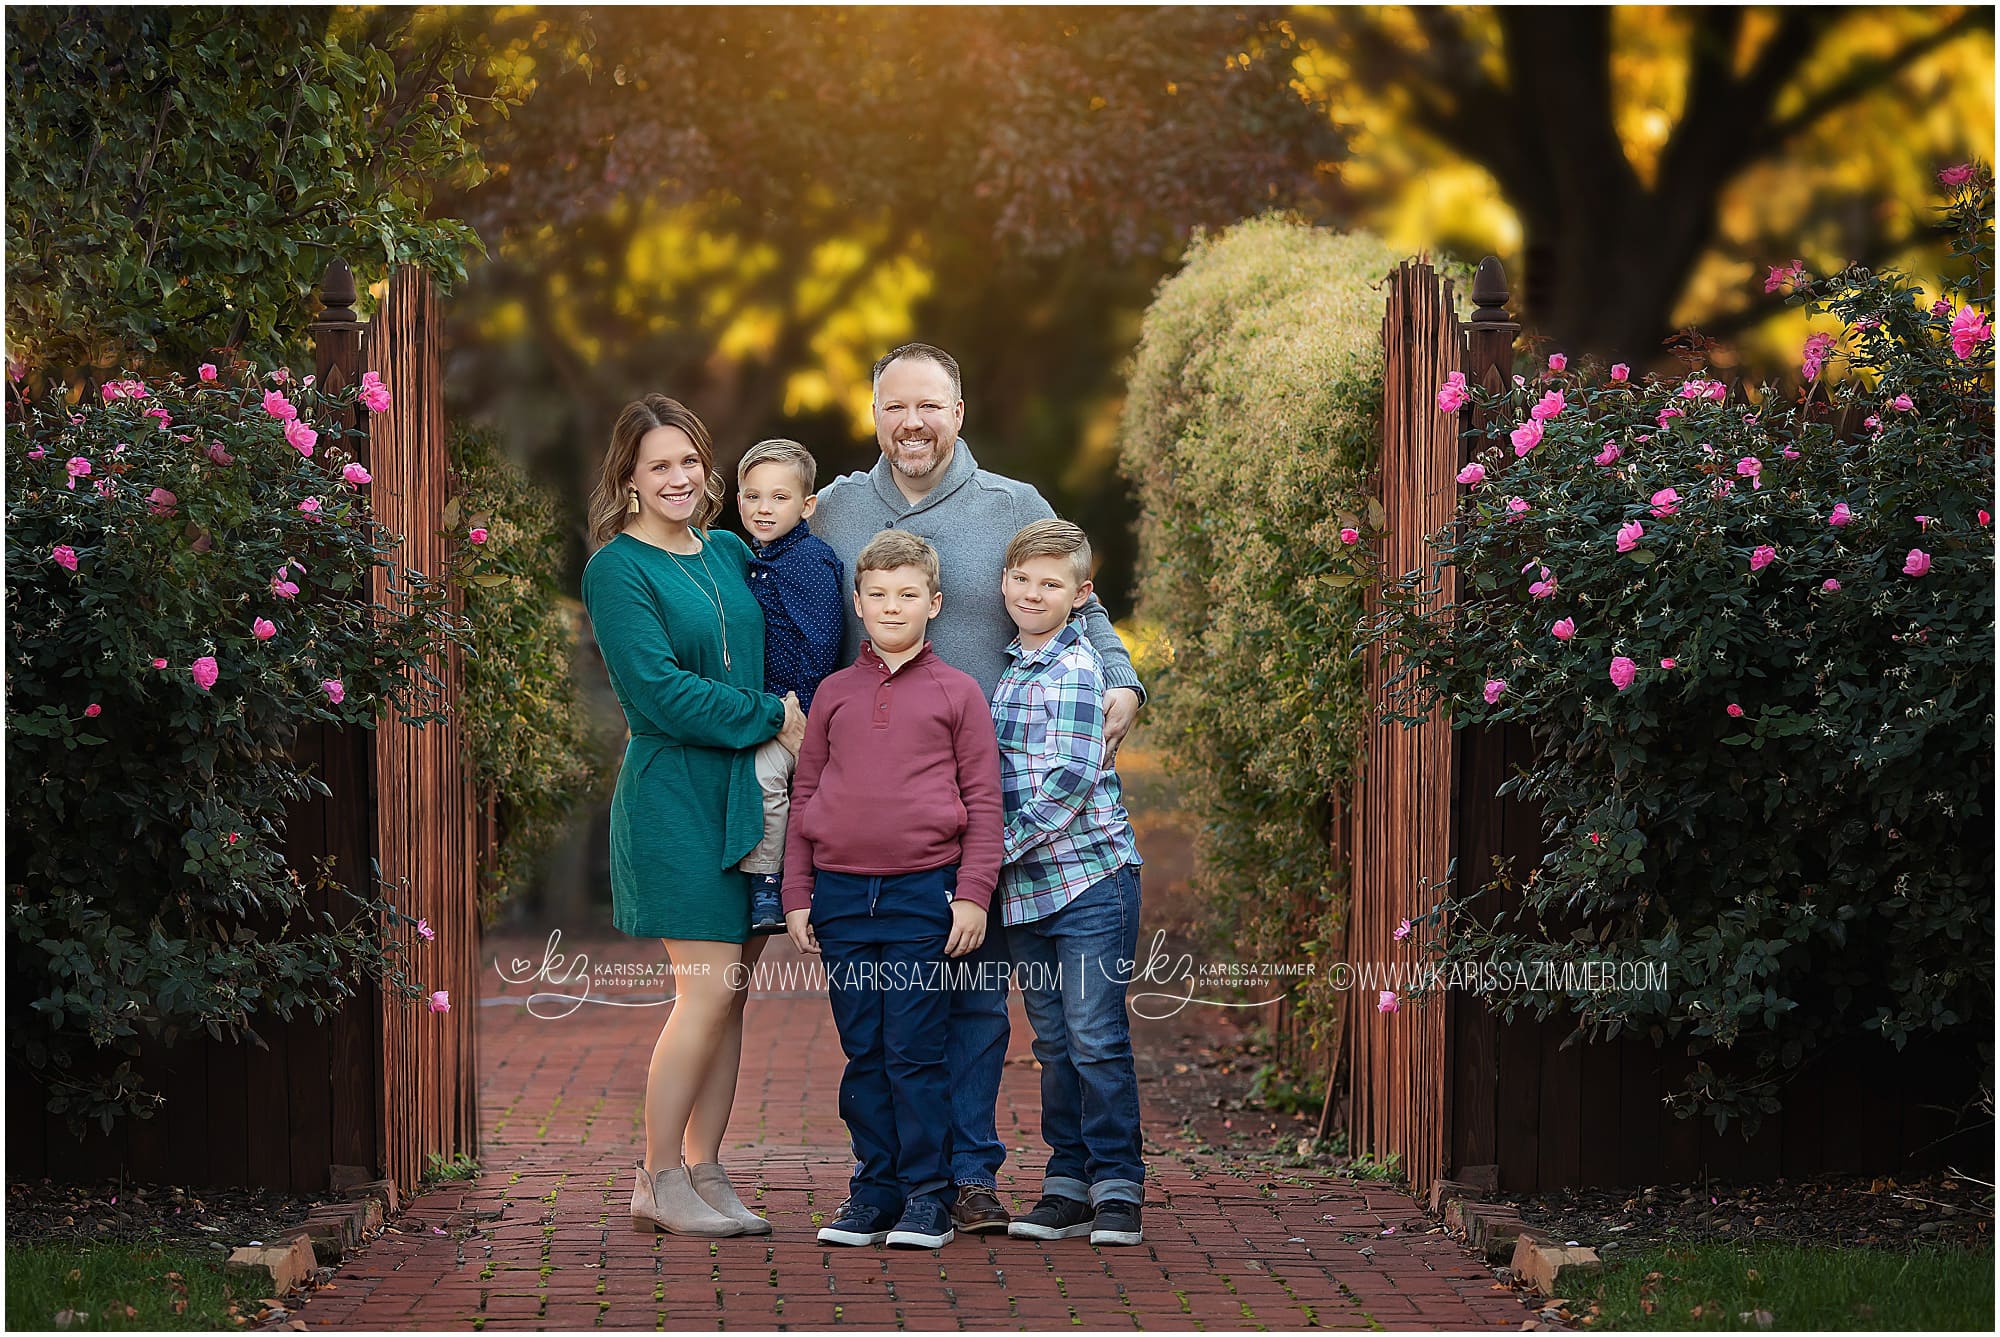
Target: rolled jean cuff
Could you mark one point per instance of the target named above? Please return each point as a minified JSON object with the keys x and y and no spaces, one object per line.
{"x":1116,"y":1190}
{"x":974,"y":1181}
{"x":1062,"y":1186}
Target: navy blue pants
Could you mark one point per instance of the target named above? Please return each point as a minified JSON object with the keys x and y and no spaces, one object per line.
{"x":883,"y":939}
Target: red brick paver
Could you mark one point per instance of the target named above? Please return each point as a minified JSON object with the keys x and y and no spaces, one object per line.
{"x":542,"y":1238}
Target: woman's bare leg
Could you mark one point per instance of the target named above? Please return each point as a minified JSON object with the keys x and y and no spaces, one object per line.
{"x":704,"y":1005}
{"x":709,"y":1119}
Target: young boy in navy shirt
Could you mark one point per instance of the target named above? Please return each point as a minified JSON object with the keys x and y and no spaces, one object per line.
{"x":796,"y":578}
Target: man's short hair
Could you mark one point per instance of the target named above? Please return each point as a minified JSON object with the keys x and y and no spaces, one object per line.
{"x":780,"y":450}
{"x":922,"y":353}
{"x":1051,"y":538}
{"x":893,"y":548}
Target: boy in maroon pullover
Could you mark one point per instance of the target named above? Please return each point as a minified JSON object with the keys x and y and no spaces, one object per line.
{"x":890,"y":864}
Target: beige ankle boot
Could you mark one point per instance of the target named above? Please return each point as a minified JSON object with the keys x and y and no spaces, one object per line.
{"x":666,"y":1200}
{"x":711,"y":1181}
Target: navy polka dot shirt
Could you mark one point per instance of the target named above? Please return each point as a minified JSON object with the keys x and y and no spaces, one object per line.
{"x":797,"y":581}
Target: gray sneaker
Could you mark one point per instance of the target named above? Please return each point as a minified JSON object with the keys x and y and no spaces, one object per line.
{"x":1116,"y":1223}
{"x":1054,"y":1218}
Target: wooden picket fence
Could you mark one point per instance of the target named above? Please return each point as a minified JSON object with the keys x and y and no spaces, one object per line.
{"x":1445,"y":1086}
{"x":382,"y":1083}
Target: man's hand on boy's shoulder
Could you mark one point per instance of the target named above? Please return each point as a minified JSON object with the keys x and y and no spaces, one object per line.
{"x":968,"y":928}
{"x":801,"y":931}
{"x":1121,"y":710}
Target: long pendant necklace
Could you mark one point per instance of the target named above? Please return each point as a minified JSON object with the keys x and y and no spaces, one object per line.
{"x":714,"y":599}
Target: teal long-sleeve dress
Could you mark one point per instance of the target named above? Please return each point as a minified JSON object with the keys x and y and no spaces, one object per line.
{"x":687,"y":806}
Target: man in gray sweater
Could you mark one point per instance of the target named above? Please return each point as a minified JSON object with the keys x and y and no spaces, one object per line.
{"x":927,"y":483}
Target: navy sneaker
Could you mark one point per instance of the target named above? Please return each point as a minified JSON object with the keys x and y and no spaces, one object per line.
{"x":767,"y":907}
{"x":1054,"y":1218}
{"x":858,"y":1224}
{"x":1116,"y":1223}
{"x":926,"y":1224}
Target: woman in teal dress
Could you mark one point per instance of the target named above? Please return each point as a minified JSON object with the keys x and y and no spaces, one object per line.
{"x":683,"y":642}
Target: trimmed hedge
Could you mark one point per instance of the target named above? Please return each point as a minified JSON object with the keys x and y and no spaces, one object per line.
{"x":1249,"y":430}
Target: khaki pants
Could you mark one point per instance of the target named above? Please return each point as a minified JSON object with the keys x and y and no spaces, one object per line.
{"x":775,"y":764}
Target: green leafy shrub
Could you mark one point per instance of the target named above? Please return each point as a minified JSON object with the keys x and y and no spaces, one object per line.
{"x":1754,"y":647}
{"x":1249,"y":429}
{"x":528,"y":738}
{"x":187,"y":585}
{"x":180,"y":178}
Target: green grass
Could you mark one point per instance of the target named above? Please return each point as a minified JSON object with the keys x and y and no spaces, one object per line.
{"x":100,"y":1282}
{"x":460,"y":1166}
{"x":1723,"y":1286}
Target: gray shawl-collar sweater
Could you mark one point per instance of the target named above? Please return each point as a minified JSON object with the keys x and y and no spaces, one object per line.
{"x":969,"y":517}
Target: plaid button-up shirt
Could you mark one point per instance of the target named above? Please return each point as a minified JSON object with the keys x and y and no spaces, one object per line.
{"x":1066,"y":823}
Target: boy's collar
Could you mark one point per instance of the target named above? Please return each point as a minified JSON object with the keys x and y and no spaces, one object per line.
{"x":1068,"y":634}
{"x":875,"y":661}
{"x":785,"y":542}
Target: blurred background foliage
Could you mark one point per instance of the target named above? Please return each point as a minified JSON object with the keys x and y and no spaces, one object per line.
{"x":744,"y":207}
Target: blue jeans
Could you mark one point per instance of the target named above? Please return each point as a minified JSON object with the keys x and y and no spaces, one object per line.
{"x":1071,"y":984}
{"x":975,"y":1051}
{"x":883,"y":943}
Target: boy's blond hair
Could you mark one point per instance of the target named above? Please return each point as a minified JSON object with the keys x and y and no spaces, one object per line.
{"x":780,"y":450}
{"x":1051,"y":538}
{"x":893,"y":548}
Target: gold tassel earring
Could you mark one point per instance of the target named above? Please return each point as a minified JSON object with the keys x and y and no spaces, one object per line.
{"x":631,"y":501}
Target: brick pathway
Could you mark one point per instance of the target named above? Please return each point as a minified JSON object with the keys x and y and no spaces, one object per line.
{"x":542,"y":1238}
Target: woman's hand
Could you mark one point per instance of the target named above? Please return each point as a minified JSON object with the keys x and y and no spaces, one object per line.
{"x":793,"y":731}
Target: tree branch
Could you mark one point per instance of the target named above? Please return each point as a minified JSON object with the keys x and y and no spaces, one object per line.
{"x":1865,"y":77}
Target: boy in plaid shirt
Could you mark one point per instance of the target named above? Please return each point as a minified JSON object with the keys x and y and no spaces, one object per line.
{"x":1069,"y":893}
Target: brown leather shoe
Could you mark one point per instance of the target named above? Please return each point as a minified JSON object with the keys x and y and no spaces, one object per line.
{"x":978,"y":1211}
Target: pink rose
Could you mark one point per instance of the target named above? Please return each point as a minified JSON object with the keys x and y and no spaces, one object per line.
{"x":1923,"y":523}
{"x":162,"y":501}
{"x":1346,"y":536}
{"x":1793,"y":273}
{"x":1564,"y":629}
{"x":1620,"y":372}
{"x":37,"y":453}
{"x":426,"y":932}
{"x":1918,"y":563}
{"x":282,"y":585}
{"x":1543,"y":588}
{"x":1494,"y":687}
{"x":356,"y":475}
{"x":1941,"y":307}
{"x":205,"y":672}
{"x":92,"y":711}
{"x":1666,"y":502}
{"x":1385,"y":1001}
{"x":1551,"y":405}
{"x":301,"y":437}
{"x":1902,"y":403}
{"x":1872,"y":423}
{"x":1841,"y":515}
{"x":1667,"y":415}
{"x":1527,"y":436}
{"x":1629,"y":535}
{"x":78,"y":467}
{"x":280,"y":375}
{"x":1516,"y":508}
{"x":310,"y":505}
{"x":263,"y":629}
{"x":1558,"y":362}
{"x":1452,"y":395}
{"x":1789,"y":453}
{"x":64,"y":555}
{"x":1956,"y":175}
{"x":335,"y":690}
{"x":1735,"y":711}
{"x":1472,"y":475}
{"x":1623,"y":671}
{"x":1609,"y":455}
{"x":1968,"y":330}
{"x":1762,"y":556}
{"x":159,"y":663}
{"x":208,"y":371}
{"x":375,"y":395}
{"x":1830,"y":586}
{"x":479,"y":535}
{"x":1814,"y":355}
{"x":1669,"y":662}
{"x":1985,"y":518}
{"x":1402,"y":930}
{"x":441,"y":1001}
{"x":219,"y":455}
{"x":278,"y":406}
{"x":1750,"y":467}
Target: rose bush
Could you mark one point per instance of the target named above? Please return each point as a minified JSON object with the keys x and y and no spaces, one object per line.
{"x":188,"y":573}
{"x":1753,"y":643}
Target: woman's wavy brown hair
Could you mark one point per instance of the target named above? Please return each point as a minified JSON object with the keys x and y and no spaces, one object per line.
{"x":608,"y":501}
